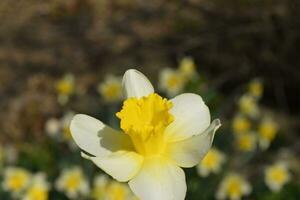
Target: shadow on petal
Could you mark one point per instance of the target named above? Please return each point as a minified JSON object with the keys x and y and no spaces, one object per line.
{"x":113,"y":140}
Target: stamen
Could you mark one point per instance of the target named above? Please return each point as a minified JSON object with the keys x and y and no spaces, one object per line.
{"x":145,"y":120}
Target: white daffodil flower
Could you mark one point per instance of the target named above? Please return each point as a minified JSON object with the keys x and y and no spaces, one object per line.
{"x":267,"y":131}
{"x":15,"y":180}
{"x":73,"y":183}
{"x":65,"y":87}
{"x":241,"y":124}
{"x":111,"y":89}
{"x":158,"y":137}
{"x":211,"y":163}
{"x":187,"y":68}
{"x":246,"y":142}
{"x":171,"y":81}
{"x":277,"y":175}
{"x":256,"y":88}
{"x":38,"y":189}
{"x":106,"y":189}
{"x":233,"y":187}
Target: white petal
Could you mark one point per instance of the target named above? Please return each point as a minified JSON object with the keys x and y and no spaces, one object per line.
{"x":136,"y":84}
{"x":191,"y":117}
{"x":94,"y":137}
{"x":159,"y":179}
{"x":122,"y":165}
{"x":189,"y":152}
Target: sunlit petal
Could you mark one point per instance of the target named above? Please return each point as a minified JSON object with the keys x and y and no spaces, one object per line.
{"x":122,"y":165}
{"x":97,"y":139}
{"x":191,"y":117}
{"x":159,"y":179}
{"x":136,"y":84}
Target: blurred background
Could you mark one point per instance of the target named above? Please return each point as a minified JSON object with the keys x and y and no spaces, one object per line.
{"x":62,"y":57}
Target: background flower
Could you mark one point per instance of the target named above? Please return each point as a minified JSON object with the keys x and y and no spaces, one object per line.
{"x":246,"y":142}
{"x":65,"y":88}
{"x":73,"y":183}
{"x":38,"y":188}
{"x":15,"y":180}
{"x":171,"y":81}
{"x":111,"y":89}
{"x":267,"y":131}
{"x":211,"y":163}
{"x":276,"y":176}
{"x":233,"y":187}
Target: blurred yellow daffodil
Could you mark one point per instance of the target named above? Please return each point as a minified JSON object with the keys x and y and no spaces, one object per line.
{"x":171,"y":81}
{"x":65,"y":88}
{"x":256,"y":88}
{"x":158,"y":137}
{"x":267,"y":131}
{"x":246,"y":142}
{"x":187,"y":68}
{"x":241,"y":124}
{"x":248,"y":105}
{"x":233,"y":187}
{"x":99,"y":187}
{"x":211,"y":163}
{"x":73,"y":183}
{"x":15,"y":180}
{"x":276,"y":176}
{"x":111,"y":89}
{"x":38,"y":189}
{"x":107,"y":189}
{"x":118,"y":191}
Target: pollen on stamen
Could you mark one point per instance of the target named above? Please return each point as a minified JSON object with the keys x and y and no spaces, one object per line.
{"x":145,"y":118}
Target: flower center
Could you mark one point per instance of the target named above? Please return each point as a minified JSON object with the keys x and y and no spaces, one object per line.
{"x":37,"y":193}
{"x":267,"y":131}
{"x":17,"y":182}
{"x":112,"y":90}
{"x":116,"y":191}
{"x":73,"y":182}
{"x":144,"y":120}
{"x":211,"y":160}
{"x":235,"y":188}
{"x":278,"y":175}
{"x":173,"y":81}
{"x":65,"y":87}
